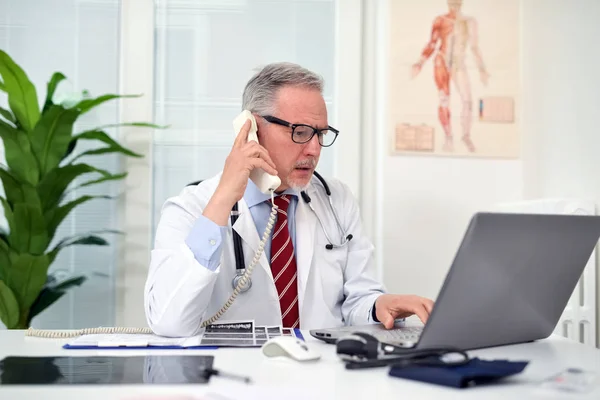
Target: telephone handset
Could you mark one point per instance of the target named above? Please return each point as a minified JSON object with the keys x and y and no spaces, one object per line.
{"x":265,"y":182}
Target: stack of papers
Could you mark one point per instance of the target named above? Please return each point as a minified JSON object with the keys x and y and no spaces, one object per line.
{"x":225,"y":334}
{"x":133,"y":340}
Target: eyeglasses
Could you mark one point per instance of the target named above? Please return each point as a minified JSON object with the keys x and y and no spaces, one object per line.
{"x":302,"y":133}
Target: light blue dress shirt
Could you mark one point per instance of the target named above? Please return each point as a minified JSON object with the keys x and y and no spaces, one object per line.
{"x":206,"y":237}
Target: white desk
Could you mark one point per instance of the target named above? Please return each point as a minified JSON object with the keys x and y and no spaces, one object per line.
{"x":325,"y":379}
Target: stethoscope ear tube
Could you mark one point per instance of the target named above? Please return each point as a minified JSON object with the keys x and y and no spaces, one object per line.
{"x":237,"y":240}
{"x":239,"y":253}
{"x":307,"y":200}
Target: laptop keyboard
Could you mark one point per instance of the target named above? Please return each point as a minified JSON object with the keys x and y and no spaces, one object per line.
{"x":409,"y":334}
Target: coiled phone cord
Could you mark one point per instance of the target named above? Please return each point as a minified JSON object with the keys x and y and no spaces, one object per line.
{"x":141,"y":331}
{"x":244,"y":279}
{"x":86,"y":331}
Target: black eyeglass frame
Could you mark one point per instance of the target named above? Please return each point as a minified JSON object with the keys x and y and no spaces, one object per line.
{"x":279,"y":121}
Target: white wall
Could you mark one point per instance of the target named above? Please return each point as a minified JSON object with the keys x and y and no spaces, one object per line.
{"x":425,"y":202}
{"x":562,"y":101}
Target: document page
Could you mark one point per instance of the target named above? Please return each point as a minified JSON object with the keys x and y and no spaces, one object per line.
{"x":223,"y":334}
{"x":241,"y":333}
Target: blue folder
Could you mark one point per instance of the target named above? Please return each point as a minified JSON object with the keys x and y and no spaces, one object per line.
{"x":475,"y":372}
{"x":153,"y":347}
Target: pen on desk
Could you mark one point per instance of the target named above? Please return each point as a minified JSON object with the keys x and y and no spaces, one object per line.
{"x":216,"y":372}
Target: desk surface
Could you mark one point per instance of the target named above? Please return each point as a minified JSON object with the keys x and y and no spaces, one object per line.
{"x":325,"y":379}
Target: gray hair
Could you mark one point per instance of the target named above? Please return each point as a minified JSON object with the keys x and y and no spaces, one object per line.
{"x":261,"y":90}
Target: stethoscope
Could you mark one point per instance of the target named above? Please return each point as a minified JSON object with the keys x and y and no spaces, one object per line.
{"x":361,"y":350}
{"x":237,"y":240}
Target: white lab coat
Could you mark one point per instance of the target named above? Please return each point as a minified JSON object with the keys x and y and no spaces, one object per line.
{"x":335,"y":287}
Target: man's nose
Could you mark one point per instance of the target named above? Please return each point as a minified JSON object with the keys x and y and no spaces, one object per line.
{"x":313,"y":147}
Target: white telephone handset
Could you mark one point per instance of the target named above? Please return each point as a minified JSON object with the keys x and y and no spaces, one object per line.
{"x":265,"y":182}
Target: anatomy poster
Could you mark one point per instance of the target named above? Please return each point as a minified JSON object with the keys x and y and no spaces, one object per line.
{"x":454,"y":82}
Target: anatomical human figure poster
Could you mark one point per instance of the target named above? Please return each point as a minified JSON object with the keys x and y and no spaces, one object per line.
{"x":454,"y":80}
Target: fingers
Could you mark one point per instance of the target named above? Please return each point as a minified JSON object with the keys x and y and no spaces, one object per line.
{"x":254,"y":150}
{"x":388,"y":321}
{"x":242,"y":136}
{"x":428,"y":305}
{"x":405,"y":306}
{"x":422,"y":313}
{"x":260,"y":163}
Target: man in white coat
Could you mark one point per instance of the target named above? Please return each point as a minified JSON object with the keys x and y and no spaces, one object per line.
{"x":299,"y":281}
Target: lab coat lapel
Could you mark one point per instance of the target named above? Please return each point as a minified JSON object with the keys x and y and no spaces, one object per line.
{"x":305,"y":244}
{"x":246,"y":228}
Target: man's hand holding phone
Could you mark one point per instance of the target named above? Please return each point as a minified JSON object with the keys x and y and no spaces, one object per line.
{"x":245,"y":156}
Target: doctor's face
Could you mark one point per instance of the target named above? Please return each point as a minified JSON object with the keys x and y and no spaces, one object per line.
{"x":295,"y":162}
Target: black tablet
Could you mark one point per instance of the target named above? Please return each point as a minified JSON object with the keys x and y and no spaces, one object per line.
{"x":156,"y":369}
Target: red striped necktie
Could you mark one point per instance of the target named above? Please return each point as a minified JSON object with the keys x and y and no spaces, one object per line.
{"x":283,"y":266}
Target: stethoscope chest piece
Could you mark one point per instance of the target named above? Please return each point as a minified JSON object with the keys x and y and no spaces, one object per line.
{"x":237,"y":278}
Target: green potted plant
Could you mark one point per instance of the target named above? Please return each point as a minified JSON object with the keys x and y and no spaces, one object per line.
{"x":40,"y":168}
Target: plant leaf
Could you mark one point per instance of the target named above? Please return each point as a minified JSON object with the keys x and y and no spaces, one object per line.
{"x":55,"y":216}
{"x":136,"y":124}
{"x":4,"y":257}
{"x":28,"y":276}
{"x":8,"y":214}
{"x":64,"y":285}
{"x":98,"y":134}
{"x":56,"y":78}
{"x":7,"y":115}
{"x":51,"y":136}
{"x":85,"y":240}
{"x":105,"y":138}
{"x":9,"y":308}
{"x":55,"y":183}
{"x":2,"y":87}
{"x":44,"y":300}
{"x":5,"y":241}
{"x":70,"y":149}
{"x":50,"y":294}
{"x":103,"y":179}
{"x":12,"y":187}
{"x":17,"y":151}
{"x":28,"y":233}
{"x":22,"y":96}
{"x":64,"y":241}
{"x":103,"y":150}
{"x":85,"y":105}
{"x":17,"y":192}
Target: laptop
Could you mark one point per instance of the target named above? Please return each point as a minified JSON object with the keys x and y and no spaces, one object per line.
{"x":509,"y":283}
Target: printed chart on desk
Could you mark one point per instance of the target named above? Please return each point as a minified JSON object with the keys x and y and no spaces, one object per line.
{"x":241,"y":333}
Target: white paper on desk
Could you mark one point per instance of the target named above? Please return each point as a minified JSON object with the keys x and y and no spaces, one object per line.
{"x":221,"y":334}
{"x":133,"y":340}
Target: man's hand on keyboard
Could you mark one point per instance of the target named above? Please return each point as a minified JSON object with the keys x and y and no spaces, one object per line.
{"x":389,"y":307}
